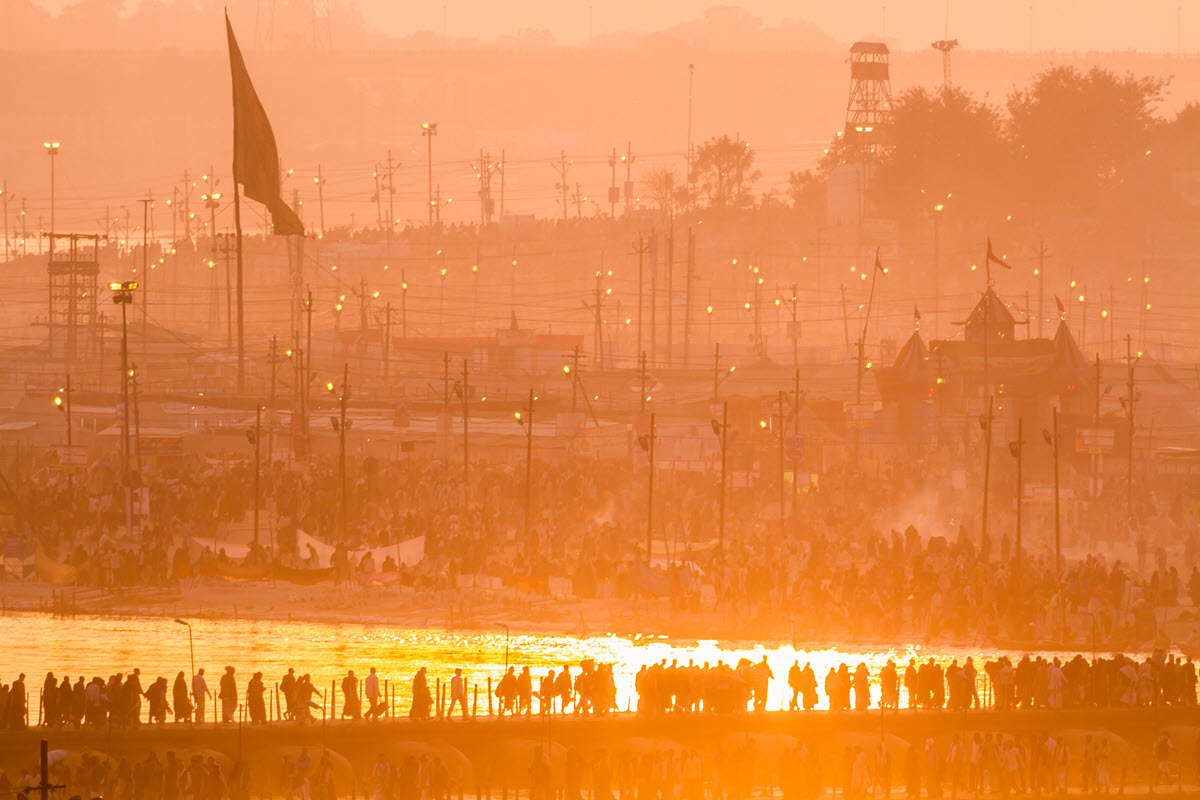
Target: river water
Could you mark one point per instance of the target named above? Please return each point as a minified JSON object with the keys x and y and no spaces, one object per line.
{"x":37,"y":643}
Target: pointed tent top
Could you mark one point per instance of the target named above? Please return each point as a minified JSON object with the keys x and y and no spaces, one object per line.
{"x":997,"y":311}
{"x":913,"y":356}
{"x":1067,"y":354}
{"x":1000,"y":320}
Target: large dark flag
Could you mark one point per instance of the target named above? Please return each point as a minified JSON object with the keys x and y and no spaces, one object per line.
{"x":995,"y":259}
{"x":255,"y":157}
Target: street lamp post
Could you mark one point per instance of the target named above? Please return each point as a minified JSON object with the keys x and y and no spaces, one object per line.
{"x":341,"y":425}
{"x":52,"y":151}
{"x":1017,"y":449}
{"x":1052,"y":440}
{"x":123,"y":296}
{"x":255,"y":437}
{"x":718,"y":376}
{"x":213,"y":201}
{"x":937,"y":268}
{"x":647,"y":444}
{"x":191,"y":647}
{"x":526,"y":424}
{"x":429,"y":130}
{"x":320,"y":182}
{"x":63,"y":403}
{"x":1130,"y":403}
{"x":721,"y":429}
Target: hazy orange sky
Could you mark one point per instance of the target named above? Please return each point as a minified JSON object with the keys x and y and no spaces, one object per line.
{"x":1148,"y":25}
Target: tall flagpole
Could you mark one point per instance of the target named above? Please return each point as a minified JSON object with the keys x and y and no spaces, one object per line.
{"x":862,"y":343}
{"x":987,"y":265}
{"x":241,"y":331}
{"x":987,"y":422}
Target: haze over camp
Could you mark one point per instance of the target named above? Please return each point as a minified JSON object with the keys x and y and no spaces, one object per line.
{"x":554,"y":401}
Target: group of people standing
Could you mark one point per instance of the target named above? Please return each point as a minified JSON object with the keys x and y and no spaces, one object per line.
{"x":128,"y":700}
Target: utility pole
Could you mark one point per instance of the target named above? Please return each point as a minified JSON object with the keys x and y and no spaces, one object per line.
{"x":1017,"y":449}
{"x":342,"y":400}
{"x":257,"y":439}
{"x":123,"y":296}
{"x":642,"y":359}
{"x":649,"y":448}
{"x":4,"y":195}
{"x":187,"y":207}
{"x":601,"y":293}
{"x":628,"y":159}
{"x":466,"y":401}
{"x":429,"y":130}
{"x":724,"y":442}
{"x":527,"y":423}
{"x":299,"y":374}
{"x":145,"y":265}
{"x":387,"y":345}
{"x":937,"y":264}
{"x":1057,"y":512}
{"x":691,"y":86}
{"x":845,"y":318}
{"x":227,"y":248}
{"x":485,"y":180}
{"x":986,"y":424}
{"x":561,"y":168}
{"x":502,"y":171}
{"x":640,"y":250}
{"x":781,"y":449}
{"x":320,"y":182}
{"x":669,"y":264}
{"x":578,"y":201}
{"x":364,"y":298}
{"x":795,"y":329}
{"x":52,"y":151}
{"x":391,"y":223}
{"x":575,"y":379}
{"x":1041,"y":276}
{"x":446,"y":380}
{"x":687,"y":299}
{"x":271,"y":407}
{"x":306,"y":361}
{"x":1096,"y":457}
{"x":796,"y":432}
{"x":403,"y":305}
{"x":378,"y":200}
{"x":475,"y":292}
{"x":653,"y":296}
{"x":716,"y":370}
{"x":612,"y":187}
{"x":442,"y":293}
{"x":1131,"y":403}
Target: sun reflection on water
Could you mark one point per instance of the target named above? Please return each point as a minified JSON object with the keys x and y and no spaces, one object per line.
{"x":36,"y":644}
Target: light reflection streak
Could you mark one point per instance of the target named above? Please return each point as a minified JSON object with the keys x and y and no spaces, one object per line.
{"x":35,"y":644}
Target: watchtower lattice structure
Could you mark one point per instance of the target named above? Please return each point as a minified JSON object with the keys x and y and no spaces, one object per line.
{"x":944,"y":46}
{"x":74,"y":269}
{"x":869,"y":109}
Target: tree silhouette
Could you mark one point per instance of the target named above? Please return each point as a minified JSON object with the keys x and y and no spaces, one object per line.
{"x":665,"y":190}
{"x":945,"y":143}
{"x":1083,"y":138}
{"x":724,"y":171}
